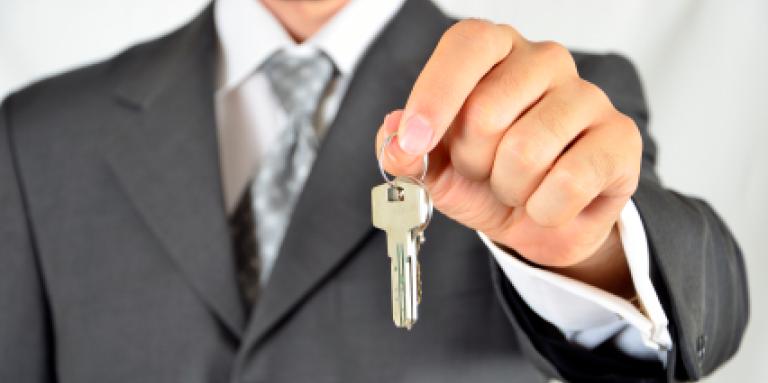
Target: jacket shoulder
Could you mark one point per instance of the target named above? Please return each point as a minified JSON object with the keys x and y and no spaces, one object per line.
{"x":79,"y":91}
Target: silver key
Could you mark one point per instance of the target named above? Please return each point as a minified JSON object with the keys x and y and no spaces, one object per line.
{"x":402,"y":209}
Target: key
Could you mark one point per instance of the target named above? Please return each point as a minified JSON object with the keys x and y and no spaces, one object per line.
{"x":403,"y":210}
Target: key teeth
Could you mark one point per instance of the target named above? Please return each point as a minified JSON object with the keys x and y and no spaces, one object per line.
{"x":418,"y":282}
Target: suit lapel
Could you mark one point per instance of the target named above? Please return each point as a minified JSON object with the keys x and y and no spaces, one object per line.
{"x":166,"y":159}
{"x":332,"y":216}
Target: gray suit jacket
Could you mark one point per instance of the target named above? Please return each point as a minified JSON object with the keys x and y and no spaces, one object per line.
{"x":116,"y":264}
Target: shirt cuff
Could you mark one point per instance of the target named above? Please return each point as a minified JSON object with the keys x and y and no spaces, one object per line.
{"x":588,"y":315}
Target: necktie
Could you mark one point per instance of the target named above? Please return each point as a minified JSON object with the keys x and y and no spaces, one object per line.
{"x":298,"y":83}
{"x":247,"y":259}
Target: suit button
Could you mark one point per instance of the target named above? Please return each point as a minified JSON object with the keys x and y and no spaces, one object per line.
{"x":701,"y":346}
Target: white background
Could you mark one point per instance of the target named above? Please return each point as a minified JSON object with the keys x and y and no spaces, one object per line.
{"x":704,"y":62}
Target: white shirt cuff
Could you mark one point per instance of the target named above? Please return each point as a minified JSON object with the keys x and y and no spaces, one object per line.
{"x":588,"y":315}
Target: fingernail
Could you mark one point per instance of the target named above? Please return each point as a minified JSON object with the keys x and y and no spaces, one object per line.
{"x":417,"y":136}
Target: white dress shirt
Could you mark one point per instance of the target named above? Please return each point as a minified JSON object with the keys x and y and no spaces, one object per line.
{"x":249,"y":119}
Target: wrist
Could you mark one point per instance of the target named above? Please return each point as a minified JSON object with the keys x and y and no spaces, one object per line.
{"x":606,"y":269}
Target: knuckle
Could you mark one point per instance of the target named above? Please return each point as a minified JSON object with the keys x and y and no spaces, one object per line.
{"x":557,"y":54}
{"x":590,"y":91}
{"x":471,"y":29}
{"x":603,"y":166}
{"x":627,"y":123}
{"x":552,"y":119}
{"x":520,"y":152}
{"x":633,"y":137}
{"x":511,"y":31}
{"x":572,"y":186}
{"x":504,"y":191}
{"x":480,"y":118}
{"x":554,"y":51}
{"x":473,"y":33}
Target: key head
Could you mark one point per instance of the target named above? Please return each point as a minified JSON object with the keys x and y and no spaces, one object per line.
{"x":403,"y":206}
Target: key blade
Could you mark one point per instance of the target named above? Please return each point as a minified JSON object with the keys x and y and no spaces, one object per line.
{"x":402,"y":209}
{"x":405,"y":282}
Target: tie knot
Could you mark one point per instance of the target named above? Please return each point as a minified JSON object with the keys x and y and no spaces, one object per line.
{"x":298,"y":81}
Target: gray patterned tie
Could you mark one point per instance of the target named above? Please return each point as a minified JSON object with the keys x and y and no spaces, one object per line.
{"x":299,"y":83}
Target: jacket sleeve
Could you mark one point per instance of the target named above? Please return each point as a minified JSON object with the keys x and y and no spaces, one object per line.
{"x":696,"y":267}
{"x":25,"y":336}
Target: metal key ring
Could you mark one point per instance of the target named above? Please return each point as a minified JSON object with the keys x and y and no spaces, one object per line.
{"x":384,"y":173}
{"x":429,"y":199}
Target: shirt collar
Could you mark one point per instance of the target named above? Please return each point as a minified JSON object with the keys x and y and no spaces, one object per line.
{"x":249,"y":34}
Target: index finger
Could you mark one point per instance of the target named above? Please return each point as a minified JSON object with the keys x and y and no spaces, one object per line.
{"x":465,"y":53}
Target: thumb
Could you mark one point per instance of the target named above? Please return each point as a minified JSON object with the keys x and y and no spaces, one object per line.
{"x":393,"y":159}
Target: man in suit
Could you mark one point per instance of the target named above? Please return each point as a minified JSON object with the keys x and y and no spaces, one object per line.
{"x":160,"y":222}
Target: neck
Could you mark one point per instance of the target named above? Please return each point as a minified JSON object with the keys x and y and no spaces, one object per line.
{"x":303,"y":18}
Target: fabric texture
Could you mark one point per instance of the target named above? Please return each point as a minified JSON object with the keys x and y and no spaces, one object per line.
{"x":299,"y":83}
{"x":246,"y":250}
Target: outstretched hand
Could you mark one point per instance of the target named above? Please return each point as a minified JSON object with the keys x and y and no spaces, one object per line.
{"x":522,"y":149}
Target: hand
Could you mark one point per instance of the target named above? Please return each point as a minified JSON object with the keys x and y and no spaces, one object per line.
{"x":522,"y":149}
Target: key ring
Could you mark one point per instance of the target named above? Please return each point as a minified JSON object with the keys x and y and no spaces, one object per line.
{"x":389,"y":181}
{"x":419,"y":181}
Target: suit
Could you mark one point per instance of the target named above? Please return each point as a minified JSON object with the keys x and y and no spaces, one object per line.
{"x":116,"y":261}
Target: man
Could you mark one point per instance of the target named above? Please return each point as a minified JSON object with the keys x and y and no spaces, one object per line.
{"x":161,"y":222}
